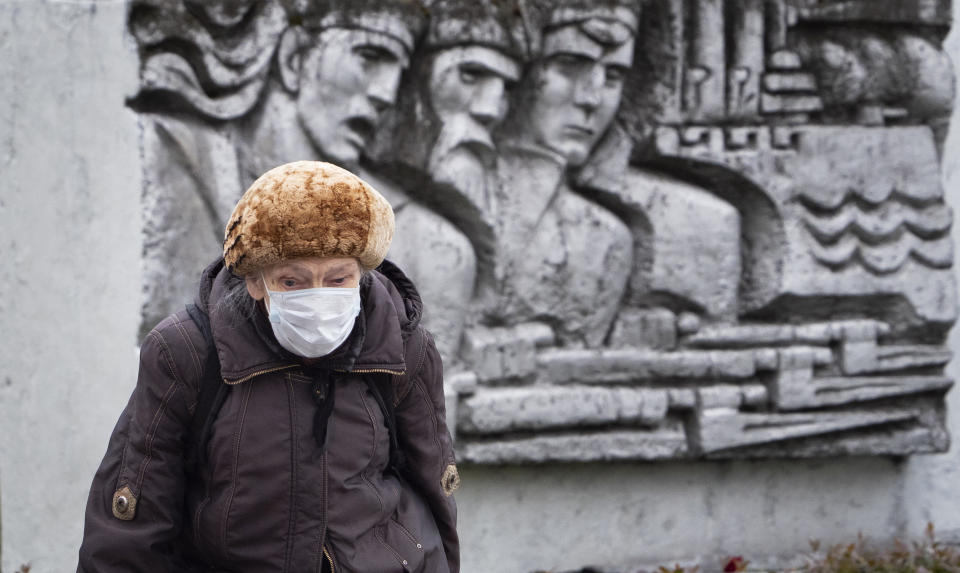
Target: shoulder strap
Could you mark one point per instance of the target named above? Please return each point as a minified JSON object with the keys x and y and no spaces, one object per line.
{"x":382,"y":388}
{"x":210,"y":395}
{"x":390,"y":389}
{"x":413,"y":353}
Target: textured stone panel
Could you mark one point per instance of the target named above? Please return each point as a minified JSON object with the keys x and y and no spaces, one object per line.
{"x":642,"y":230}
{"x":537,"y":408}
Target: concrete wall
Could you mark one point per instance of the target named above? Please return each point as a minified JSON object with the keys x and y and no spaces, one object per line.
{"x":70,"y":245}
{"x":69,"y":309}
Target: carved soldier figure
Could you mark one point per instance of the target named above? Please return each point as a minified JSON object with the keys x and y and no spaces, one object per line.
{"x":583,"y":257}
{"x":338,"y":69}
{"x":576,"y":256}
{"x":444,"y":144}
{"x":339,"y":72}
{"x":467,"y":62}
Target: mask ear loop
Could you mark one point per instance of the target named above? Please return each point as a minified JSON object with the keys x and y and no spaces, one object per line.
{"x":266,"y":291}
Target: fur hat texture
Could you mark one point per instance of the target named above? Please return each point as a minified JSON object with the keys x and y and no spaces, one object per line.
{"x":307,"y":209}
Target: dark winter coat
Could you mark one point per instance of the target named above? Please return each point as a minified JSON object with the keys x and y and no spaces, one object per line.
{"x":270,"y":498}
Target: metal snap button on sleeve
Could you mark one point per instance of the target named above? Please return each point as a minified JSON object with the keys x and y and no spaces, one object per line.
{"x":124,"y":504}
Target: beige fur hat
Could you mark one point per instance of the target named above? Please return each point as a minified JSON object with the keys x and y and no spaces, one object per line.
{"x":307,"y":209}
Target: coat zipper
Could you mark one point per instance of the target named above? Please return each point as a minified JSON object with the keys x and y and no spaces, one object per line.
{"x":289,"y":366}
{"x":326,"y":554}
{"x":333,"y":567}
{"x":374,"y":371}
{"x":323,"y":510}
{"x":258,"y":373}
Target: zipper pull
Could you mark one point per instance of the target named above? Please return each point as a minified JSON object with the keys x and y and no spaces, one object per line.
{"x":319,"y":390}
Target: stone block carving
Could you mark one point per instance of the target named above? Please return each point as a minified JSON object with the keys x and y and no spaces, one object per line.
{"x":644,"y":229}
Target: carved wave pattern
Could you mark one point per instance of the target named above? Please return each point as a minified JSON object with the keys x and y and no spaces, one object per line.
{"x":217,"y":65}
{"x":880,"y":237}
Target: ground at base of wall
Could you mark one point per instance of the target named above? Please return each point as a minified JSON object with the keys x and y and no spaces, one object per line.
{"x":925,"y":555}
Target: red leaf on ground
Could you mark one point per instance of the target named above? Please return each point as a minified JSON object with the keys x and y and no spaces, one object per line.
{"x":734,"y":564}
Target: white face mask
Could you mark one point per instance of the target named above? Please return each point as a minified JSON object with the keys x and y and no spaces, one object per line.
{"x":313,"y":322}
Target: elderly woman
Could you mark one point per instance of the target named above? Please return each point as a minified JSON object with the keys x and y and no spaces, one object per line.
{"x":326,"y":447}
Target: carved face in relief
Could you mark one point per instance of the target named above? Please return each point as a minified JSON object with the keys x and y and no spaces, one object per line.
{"x":347,"y":80}
{"x":468,"y":93}
{"x":578,"y":86}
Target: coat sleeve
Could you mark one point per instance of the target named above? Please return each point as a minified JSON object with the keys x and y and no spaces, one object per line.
{"x":134,"y":509}
{"x":426,"y":443}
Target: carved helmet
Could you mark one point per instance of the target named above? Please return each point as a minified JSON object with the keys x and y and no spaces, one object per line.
{"x":307,"y":209}
{"x":542,"y":15}
{"x":402,"y":19}
{"x":492,"y":23}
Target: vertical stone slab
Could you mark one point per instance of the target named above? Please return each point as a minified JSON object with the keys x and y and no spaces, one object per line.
{"x":705,"y":81}
{"x":746,"y":64}
{"x":70,"y":241}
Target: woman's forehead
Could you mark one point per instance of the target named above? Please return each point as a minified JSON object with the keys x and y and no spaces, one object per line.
{"x":315,"y":265}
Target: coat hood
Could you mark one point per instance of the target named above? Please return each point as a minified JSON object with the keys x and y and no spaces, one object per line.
{"x":390,"y":309}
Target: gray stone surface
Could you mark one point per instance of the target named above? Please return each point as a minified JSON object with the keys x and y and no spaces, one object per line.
{"x":536,"y":408}
{"x":70,"y":239}
{"x":635,"y":516}
{"x":663,"y":443}
{"x":719,"y":429}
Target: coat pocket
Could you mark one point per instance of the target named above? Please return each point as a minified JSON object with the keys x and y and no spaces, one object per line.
{"x":403,"y":544}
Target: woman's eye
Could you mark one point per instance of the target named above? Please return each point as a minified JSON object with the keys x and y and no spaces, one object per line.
{"x":339,"y":281}
{"x":288,"y":283}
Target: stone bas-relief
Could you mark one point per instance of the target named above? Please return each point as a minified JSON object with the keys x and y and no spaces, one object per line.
{"x":666,"y":229}
{"x":221,"y":108}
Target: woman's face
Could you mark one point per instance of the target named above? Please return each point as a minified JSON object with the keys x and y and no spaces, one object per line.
{"x":309,"y":272}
